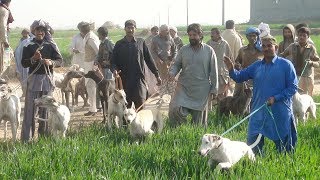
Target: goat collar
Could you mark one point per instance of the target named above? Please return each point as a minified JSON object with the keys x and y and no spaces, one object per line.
{"x":115,"y":99}
{"x":219,"y":145}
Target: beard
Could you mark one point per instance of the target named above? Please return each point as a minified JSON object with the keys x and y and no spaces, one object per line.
{"x":194,"y":42}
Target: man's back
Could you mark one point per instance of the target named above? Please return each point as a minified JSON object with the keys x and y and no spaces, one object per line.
{"x":234,"y":41}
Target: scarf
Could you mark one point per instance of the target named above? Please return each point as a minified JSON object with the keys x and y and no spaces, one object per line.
{"x":258,"y":44}
{"x":10,"y":18}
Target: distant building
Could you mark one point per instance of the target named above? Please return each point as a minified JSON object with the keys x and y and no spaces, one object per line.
{"x":281,"y":11}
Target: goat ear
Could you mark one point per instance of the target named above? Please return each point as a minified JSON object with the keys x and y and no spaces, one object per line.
{"x":132,"y":106}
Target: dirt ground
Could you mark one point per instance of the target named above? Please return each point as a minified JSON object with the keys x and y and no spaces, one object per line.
{"x":77,"y":121}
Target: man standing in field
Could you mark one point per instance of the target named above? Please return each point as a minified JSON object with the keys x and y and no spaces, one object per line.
{"x":232,"y":37}
{"x":221,"y":48}
{"x":105,"y":53}
{"x":5,"y":19}
{"x":40,"y":55}
{"x":164,"y":51}
{"x":274,"y":83}
{"x":77,"y":47}
{"x":150,"y":79}
{"x":235,"y":43}
{"x":198,"y":78}
{"x":129,"y":56}
{"x":304,"y":58}
{"x":174,"y":35}
{"x":91,"y":48}
{"x":248,"y":54}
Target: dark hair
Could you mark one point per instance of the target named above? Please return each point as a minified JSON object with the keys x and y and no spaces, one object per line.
{"x":5,"y":1}
{"x":304,"y":30}
{"x":130,"y":22}
{"x":229,"y":24}
{"x":196,"y":28}
{"x":103,"y":31}
{"x":155,"y":28}
{"x":298,"y":26}
{"x":25,"y":31}
{"x":269,"y":38}
{"x":216,"y":30}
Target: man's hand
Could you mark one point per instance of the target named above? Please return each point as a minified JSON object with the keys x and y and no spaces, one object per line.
{"x":228,"y":63}
{"x":6,"y":44}
{"x":309,"y":62}
{"x":37,"y":56}
{"x":270,"y":101}
{"x":76,"y":51}
{"x":159,"y":81}
{"x":47,"y":62}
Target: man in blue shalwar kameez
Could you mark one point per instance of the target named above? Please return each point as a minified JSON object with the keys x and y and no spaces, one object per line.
{"x":275,"y":82}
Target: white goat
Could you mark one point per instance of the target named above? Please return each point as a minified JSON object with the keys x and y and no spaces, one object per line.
{"x":10,"y":110}
{"x":59,"y":115}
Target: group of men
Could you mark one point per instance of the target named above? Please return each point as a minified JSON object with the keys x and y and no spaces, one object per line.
{"x":191,"y":73}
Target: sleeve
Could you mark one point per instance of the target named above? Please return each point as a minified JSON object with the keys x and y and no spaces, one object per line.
{"x":94,"y":45}
{"x":177,"y":64}
{"x":238,"y":60}
{"x":73,"y":44}
{"x":114,"y":58}
{"x":314,"y":57}
{"x":149,"y":60}
{"x":280,"y":50}
{"x":228,"y":52}
{"x":237,"y":44}
{"x":154,"y":50}
{"x":291,"y":84}
{"x":56,"y":57}
{"x":173,"y":49}
{"x":286,"y":52}
{"x":26,"y":60}
{"x":3,"y":24}
{"x":245,"y":74}
{"x":214,"y":73}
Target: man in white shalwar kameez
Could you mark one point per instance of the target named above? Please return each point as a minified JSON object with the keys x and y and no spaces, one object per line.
{"x":77,"y":48}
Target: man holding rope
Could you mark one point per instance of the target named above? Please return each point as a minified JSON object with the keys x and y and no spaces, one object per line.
{"x":305,"y":58}
{"x":274,"y":83}
{"x":40,"y":55}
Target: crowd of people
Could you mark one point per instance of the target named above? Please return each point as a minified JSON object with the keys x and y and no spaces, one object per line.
{"x":194,"y":73}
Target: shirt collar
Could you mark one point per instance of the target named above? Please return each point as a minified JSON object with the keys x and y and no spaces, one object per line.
{"x":134,"y":39}
{"x":308,"y":45}
{"x":273,"y":60}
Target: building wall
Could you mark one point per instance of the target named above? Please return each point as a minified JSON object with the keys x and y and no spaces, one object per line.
{"x":273,"y":11}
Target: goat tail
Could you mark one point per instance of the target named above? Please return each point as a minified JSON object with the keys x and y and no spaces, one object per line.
{"x":256,"y":142}
{"x":317,"y":104}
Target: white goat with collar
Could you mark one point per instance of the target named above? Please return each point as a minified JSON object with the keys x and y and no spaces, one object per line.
{"x":59,"y":115}
{"x":116,"y":105}
{"x":224,"y":151}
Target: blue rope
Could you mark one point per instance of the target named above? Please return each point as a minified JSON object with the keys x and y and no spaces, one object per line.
{"x":252,"y":113}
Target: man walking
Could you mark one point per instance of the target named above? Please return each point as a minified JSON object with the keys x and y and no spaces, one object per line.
{"x":198,"y":78}
{"x":129,"y":56}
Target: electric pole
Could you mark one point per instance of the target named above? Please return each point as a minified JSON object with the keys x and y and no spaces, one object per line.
{"x":223,"y":12}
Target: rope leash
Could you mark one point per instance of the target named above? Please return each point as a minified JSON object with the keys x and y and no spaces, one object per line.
{"x":248,"y":116}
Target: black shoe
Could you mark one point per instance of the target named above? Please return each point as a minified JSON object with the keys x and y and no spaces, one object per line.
{"x":89,"y":113}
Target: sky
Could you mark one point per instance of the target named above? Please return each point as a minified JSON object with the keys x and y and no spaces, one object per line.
{"x":66,"y":14}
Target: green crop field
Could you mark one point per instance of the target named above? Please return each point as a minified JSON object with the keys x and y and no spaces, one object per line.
{"x":94,"y":153}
